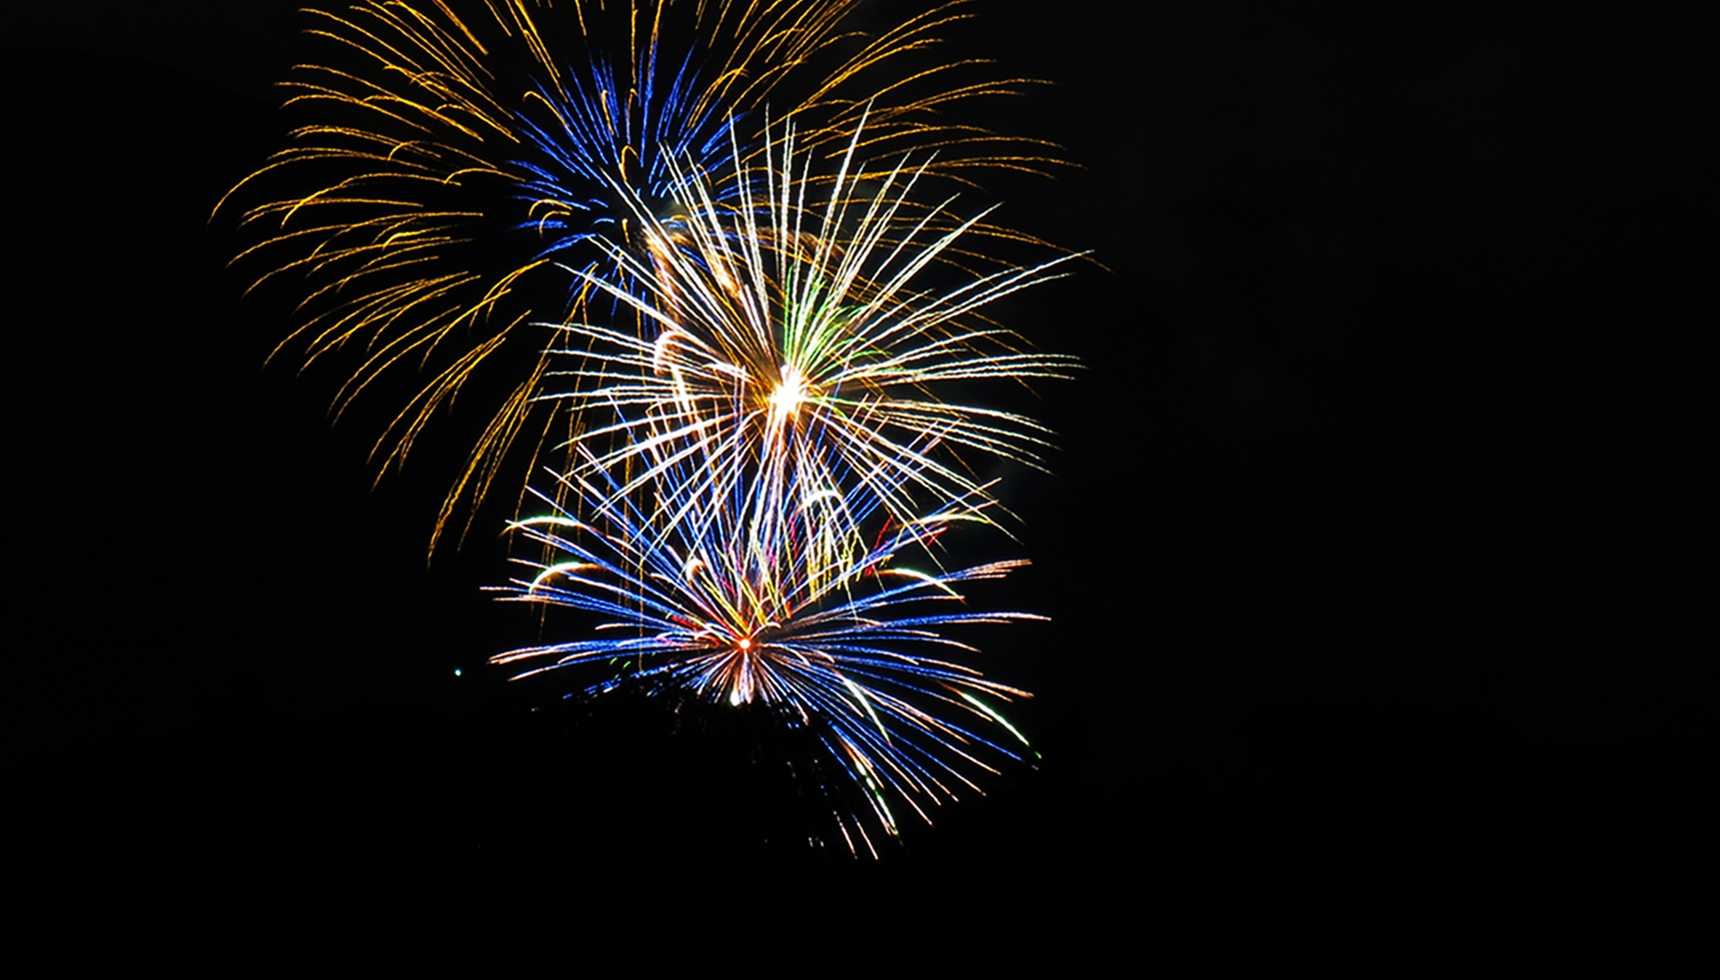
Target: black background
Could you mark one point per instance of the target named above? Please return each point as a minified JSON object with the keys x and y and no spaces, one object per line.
{"x":1364,"y":548}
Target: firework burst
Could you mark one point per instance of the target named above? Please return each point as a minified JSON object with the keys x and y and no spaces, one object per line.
{"x":788,"y":340}
{"x":744,"y":606}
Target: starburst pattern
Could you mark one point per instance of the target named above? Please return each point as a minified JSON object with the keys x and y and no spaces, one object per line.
{"x":789,"y":336}
{"x":743,"y":605}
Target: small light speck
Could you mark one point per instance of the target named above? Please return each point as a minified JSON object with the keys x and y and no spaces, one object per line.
{"x":458,"y":672}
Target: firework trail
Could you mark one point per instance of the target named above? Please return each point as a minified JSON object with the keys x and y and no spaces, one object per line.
{"x":452,"y":158}
{"x":743,"y":605}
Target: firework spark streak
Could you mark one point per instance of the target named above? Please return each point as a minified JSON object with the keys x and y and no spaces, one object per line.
{"x":787,"y":340}
{"x":742,"y":606}
{"x":451,"y":159}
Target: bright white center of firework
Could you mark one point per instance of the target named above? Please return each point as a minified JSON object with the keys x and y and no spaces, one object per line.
{"x":786,"y":398}
{"x":740,"y":688}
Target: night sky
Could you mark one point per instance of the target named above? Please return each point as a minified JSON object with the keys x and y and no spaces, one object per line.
{"x":1362,"y":546}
